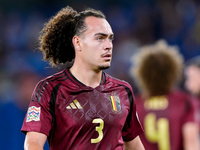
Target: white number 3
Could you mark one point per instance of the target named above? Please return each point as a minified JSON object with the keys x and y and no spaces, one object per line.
{"x":99,"y":130}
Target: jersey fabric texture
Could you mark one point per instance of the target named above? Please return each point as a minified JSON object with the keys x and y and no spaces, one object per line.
{"x":163,"y":118}
{"x":198,"y":116}
{"x":77,"y":117}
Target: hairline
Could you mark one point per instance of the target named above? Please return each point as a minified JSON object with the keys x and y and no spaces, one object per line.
{"x":86,"y":25}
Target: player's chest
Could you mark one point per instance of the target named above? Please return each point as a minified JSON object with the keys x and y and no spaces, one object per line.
{"x":85,"y":106}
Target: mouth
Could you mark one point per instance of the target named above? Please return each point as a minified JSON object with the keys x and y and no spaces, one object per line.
{"x":107,"y":55}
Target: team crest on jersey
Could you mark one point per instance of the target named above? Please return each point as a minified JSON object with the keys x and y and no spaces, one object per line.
{"x":33,"y":114}
{"x":115,"y":103}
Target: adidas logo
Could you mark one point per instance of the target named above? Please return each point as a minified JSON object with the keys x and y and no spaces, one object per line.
{"x":74,"y":105}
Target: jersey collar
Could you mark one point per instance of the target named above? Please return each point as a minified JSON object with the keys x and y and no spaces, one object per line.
{"x":75,"y":80}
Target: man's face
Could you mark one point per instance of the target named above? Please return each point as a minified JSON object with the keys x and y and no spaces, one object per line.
{"x":96,"y":43}
{"x":192,"y":82}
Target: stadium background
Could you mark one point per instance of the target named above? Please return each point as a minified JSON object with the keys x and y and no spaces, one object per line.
{"x":134,"y":22}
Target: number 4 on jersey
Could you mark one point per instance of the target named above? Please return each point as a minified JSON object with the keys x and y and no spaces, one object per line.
{"x":157,"y":131}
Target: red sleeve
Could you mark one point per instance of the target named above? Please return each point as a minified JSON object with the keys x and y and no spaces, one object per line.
{"x":191,"y":110}
{"x":132,"y":127}
{"x":38,"y":117}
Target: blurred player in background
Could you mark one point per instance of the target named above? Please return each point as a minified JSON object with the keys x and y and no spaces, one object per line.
{"x":166,"y":113}
{"x":192,"y":80}
{"x":81,"y":107}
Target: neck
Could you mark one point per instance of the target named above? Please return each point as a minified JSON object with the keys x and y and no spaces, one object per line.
{"x":87,"y":76}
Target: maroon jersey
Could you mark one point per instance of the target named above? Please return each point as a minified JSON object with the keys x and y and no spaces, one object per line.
{"x":75,"y":116}
{"x":198,"y":115}
{"x":163,"y":117}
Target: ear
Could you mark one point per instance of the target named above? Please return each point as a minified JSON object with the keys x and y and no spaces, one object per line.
{"x":76,"y":42}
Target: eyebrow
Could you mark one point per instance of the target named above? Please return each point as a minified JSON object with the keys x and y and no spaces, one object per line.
{"x":103,"y":34}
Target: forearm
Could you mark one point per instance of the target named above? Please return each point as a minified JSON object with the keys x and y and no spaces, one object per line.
{"x":135,"y":144}
{"x":192,"y":145}
{"x":191,"y":136}
{"x":34,"y":141}
{"x":32,"y":146}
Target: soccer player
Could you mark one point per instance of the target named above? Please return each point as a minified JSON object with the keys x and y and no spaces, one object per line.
{"x":81,"y":107}
{"x":192,"y":80}
{"x":192,"y":73}
{"x":166,"y":113}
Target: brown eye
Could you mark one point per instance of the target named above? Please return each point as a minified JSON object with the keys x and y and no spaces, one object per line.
{"x":99,"y":38}
{"x":111,"y":38}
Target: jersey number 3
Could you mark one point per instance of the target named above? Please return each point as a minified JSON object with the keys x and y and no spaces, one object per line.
{"x":99,"y":130}
{"x":157,"y":131}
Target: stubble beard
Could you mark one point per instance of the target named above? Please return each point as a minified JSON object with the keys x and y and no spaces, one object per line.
{"x":103,"y":67}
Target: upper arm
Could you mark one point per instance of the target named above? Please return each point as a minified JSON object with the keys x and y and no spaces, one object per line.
{"x":34,"y":140}
{"x":135,"y":144}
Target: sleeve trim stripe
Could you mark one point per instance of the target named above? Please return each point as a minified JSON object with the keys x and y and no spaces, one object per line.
{"x":43,"y":84}
{"x":130,"y":97}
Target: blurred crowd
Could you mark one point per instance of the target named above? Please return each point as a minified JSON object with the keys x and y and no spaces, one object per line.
{"x":134,"y":22}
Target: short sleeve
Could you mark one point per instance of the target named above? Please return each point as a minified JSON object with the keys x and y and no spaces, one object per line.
{"x":132,"y":127}
{"x":38,"y":117}
{"x":191,"y":109}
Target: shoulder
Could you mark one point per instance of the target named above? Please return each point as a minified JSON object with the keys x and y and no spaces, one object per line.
{"x":45,"y":86}
{"x":54,"y":79}
{"x":180,"y":94}
{"x":114,"y":80}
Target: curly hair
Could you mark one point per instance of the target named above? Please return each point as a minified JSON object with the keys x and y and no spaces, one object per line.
{"x":157,"y":68}
{"x":56,"y":36}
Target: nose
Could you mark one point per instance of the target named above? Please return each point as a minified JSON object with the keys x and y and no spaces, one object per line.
{"x":108,"y":44}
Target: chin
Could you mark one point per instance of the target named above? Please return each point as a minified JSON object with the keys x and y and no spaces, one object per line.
{"x":104,"y":67}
